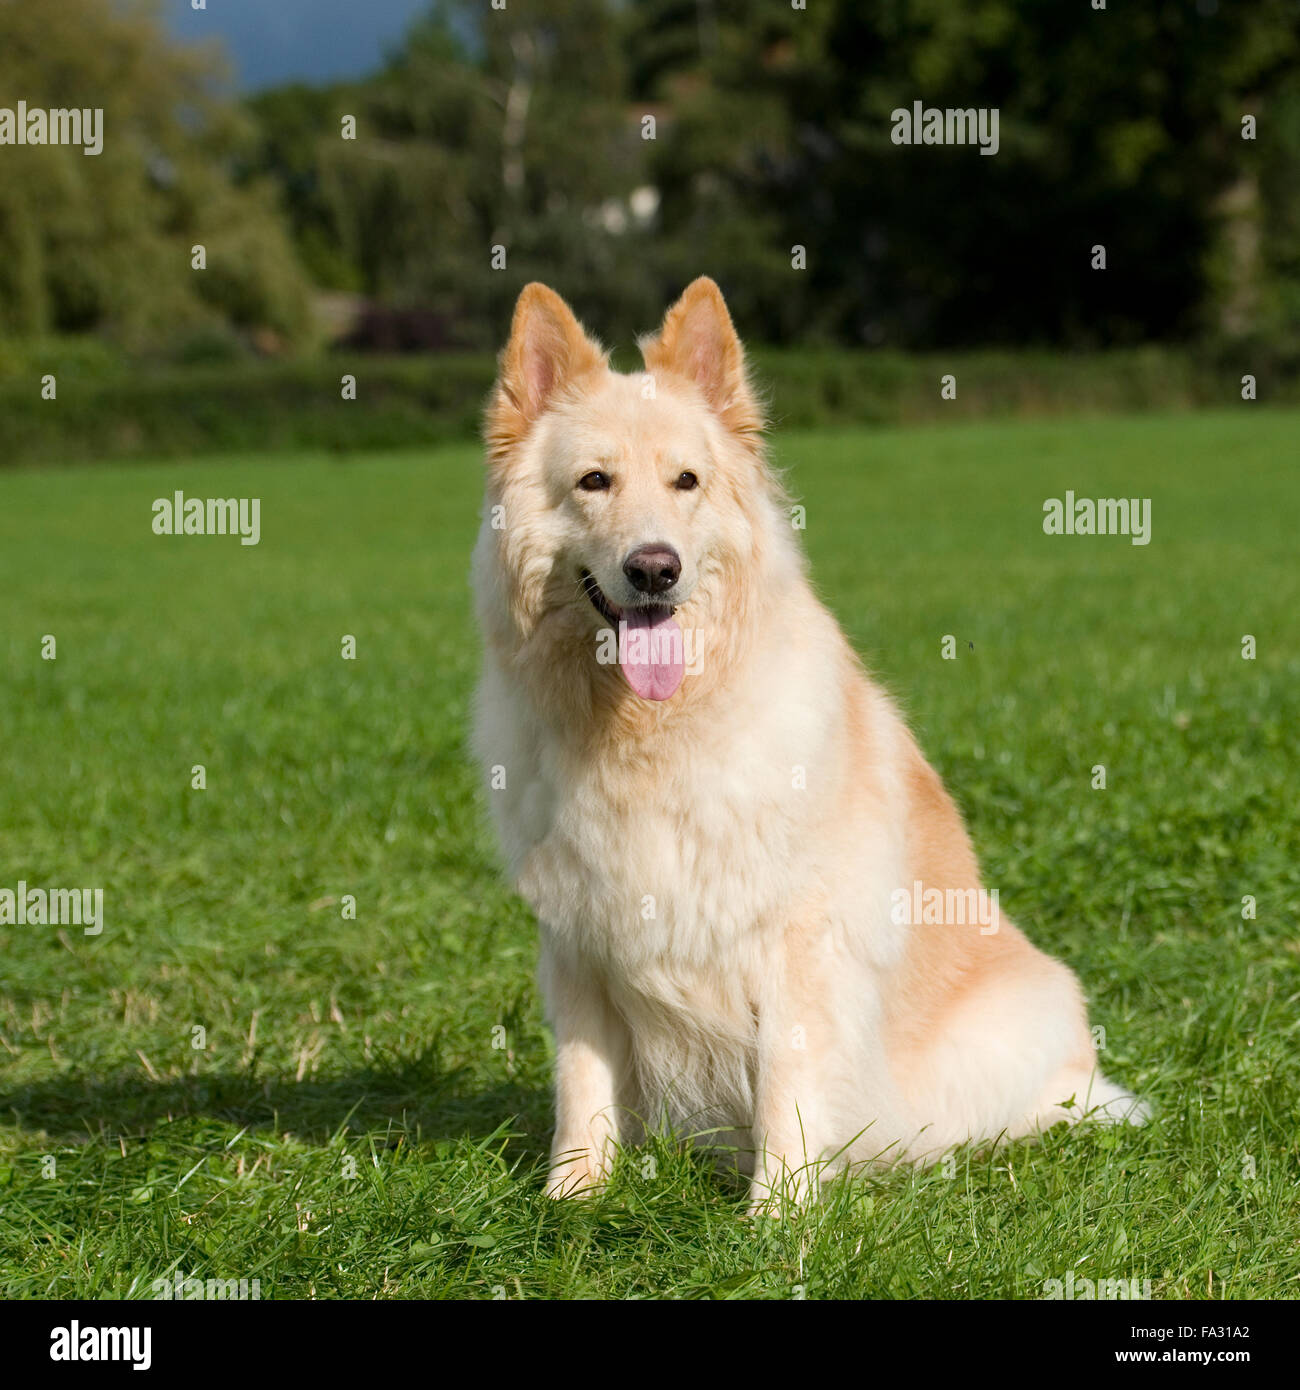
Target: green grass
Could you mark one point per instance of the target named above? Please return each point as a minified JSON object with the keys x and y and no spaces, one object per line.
{"x":330,"y":1041}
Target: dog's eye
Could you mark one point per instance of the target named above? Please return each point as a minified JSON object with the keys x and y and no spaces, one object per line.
{"x":594,"y":482}
{"x":686,"y":482}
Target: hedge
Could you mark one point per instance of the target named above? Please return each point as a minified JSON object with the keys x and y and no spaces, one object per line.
{"x":117,"y":411}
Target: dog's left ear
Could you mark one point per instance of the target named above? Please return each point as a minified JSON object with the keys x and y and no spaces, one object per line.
{"x":699,"y":342}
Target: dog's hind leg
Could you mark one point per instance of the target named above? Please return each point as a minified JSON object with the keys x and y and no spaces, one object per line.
{"x":1081,"y":1092}
{"x":1012,"y":1055}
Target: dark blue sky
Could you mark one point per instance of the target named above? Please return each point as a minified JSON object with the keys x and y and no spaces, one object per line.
{"x":274,"y":41}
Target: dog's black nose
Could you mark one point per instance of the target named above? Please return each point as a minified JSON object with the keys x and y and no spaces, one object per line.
{"x":653,"y":568}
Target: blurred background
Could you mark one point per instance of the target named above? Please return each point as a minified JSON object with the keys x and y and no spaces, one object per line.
{"x":525,"y":128}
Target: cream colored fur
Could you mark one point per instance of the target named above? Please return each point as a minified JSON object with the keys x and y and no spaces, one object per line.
{"x":713,"y":873}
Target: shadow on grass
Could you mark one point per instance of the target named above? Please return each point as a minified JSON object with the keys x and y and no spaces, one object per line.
{"x":414,"y":1099}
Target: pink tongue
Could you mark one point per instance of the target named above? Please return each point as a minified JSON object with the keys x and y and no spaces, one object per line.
{"x":650,"y":653}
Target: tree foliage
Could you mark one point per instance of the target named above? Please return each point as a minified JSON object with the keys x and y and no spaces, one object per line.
{"x":104,"y":241}
{"x":617,"y":148}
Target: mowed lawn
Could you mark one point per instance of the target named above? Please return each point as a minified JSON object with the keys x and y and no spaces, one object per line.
{"x":369,"y":1111}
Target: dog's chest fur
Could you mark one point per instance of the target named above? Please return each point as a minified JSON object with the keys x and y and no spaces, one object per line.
{"x":666,"y":872}
{"x":670,"y":870}
{"x":671,"y":863}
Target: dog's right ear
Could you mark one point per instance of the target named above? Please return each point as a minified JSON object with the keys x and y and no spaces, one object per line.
{"x":547,"y":351}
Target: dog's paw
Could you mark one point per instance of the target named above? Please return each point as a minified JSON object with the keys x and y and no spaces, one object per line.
{"x":1123,"y":1109}
{"x":575,"y":1175}
{"x":782,"y":1194}
{"x":765,"y":1206}
{"x":1110,"y":1104}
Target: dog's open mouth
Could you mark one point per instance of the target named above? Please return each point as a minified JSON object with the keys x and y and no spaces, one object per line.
{"x":612,"y":612}
{"x":650,"y":652}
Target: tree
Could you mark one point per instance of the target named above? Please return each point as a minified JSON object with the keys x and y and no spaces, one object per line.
{"x":104,"y":242}
{"x":496,"y":136}
{"x":1118,"y":127}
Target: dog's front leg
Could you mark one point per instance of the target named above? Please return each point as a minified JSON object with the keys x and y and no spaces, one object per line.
{"x":796,"y":1048}
{"x":591,"y":1060}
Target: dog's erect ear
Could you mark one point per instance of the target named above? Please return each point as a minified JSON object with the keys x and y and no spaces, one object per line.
{"x":698,"y":341}
{"x":547,"y":350}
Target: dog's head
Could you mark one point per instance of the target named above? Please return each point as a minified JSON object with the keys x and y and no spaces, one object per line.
{"x":627,"y":510}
